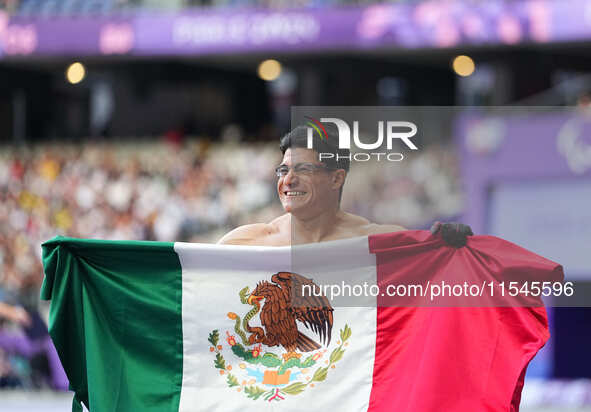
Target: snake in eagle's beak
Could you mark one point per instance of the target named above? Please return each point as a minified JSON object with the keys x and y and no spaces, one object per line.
{"x":254,"y":298}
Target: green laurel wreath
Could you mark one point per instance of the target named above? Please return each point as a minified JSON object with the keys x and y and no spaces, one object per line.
{"x":255,"y":392}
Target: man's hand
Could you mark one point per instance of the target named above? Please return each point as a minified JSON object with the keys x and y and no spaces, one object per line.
{"x":454,"y":234}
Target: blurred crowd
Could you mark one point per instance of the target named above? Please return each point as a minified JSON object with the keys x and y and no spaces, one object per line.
{"x":195,"y":191}
{"x":154,"y":191}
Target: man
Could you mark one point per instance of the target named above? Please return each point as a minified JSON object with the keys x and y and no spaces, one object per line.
{"x":310,"y":191}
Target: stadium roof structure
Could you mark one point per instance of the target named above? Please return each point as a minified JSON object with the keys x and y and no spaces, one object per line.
{"x":197,"y":32}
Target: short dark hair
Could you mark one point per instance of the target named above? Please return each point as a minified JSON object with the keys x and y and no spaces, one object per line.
{"x":298,"y":138}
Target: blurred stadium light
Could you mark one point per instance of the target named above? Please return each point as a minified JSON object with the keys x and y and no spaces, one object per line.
{"x":463,"y":65}
{"x":75,"y":72}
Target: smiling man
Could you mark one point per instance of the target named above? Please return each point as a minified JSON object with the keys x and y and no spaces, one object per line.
{"x":310,"y":191}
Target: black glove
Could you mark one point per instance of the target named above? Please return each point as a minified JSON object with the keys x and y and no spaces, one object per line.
{"x":454,"y":234}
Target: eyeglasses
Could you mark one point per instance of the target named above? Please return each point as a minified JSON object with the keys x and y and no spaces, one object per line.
{"x":300,"y":169}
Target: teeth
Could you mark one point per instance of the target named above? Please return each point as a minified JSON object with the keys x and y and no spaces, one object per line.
{"x":296,"y":193}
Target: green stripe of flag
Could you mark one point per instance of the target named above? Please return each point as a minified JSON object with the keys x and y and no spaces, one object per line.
{"x":115,"y":319}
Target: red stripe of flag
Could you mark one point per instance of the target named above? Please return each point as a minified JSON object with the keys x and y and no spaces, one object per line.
{"x":454,"y":358}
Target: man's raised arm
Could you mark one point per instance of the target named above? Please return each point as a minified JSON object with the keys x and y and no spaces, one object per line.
{"x":454,"y":234}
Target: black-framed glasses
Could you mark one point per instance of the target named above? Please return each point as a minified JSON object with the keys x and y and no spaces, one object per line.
{"x":300,"y":169}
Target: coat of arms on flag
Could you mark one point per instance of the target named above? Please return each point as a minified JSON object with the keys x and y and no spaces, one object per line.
{"x":261,"y":373}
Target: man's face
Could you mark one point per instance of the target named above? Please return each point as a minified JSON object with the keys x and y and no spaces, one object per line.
{"x":310,"y":191}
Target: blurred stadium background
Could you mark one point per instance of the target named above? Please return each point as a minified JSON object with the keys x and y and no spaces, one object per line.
{"x":160,"y":119}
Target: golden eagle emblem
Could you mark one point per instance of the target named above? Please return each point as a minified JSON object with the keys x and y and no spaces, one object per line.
{"x":284,"y":304}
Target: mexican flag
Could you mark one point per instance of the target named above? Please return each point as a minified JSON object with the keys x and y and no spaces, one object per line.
{"x":152,"y":326}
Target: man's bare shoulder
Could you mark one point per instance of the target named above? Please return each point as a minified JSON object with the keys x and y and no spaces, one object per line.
{"x":351,"y":225}
{"x":375,"y":229}
{"x":361,"y":226}
{"x":258,"y":234}
{"x":247,"y":234}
